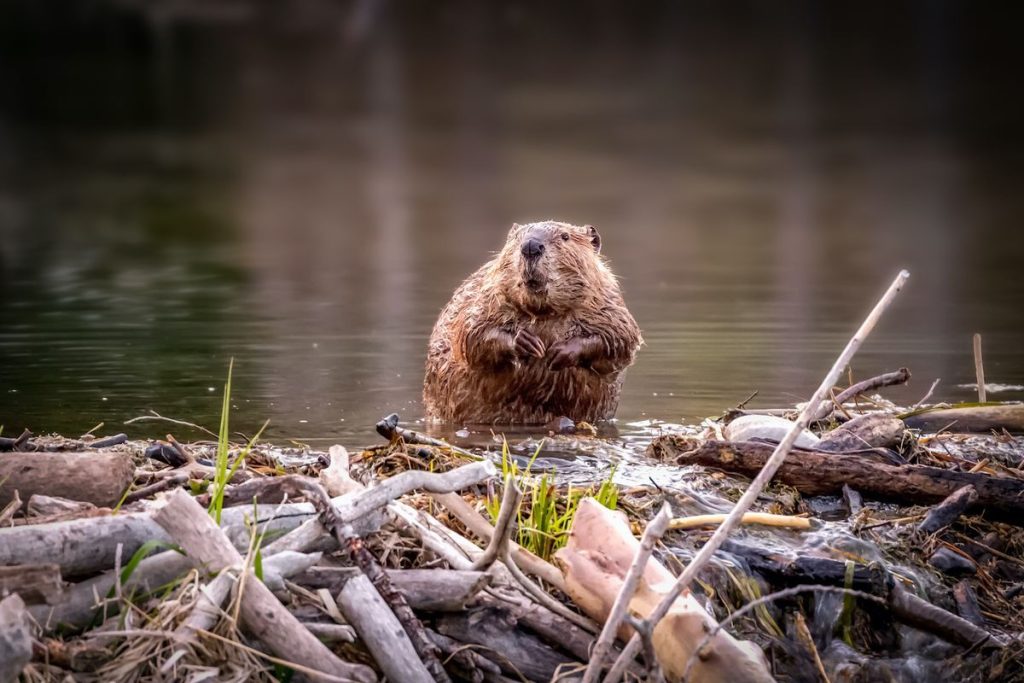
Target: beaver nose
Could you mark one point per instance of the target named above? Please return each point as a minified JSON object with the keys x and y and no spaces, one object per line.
{"x":532,"y":248}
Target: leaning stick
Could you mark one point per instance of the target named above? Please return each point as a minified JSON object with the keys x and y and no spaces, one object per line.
{"x":652,"y":534}
{"x":761,"y":480}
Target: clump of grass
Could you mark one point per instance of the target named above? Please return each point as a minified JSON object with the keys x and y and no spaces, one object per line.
{"x":545,"y":527}
{"x":222,"y":471}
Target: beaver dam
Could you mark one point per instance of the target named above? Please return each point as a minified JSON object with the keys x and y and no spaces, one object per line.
{"x":886,"y":547}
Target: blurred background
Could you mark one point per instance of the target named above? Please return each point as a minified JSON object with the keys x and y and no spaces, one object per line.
{"x":301,"y":185}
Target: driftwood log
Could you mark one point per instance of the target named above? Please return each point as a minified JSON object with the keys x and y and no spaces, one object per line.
{"x":947,"y":512}
{"x":88,"y":545}
{"x":97,"y":478}
{"x":514,"y":650}
{"x":84,"y":546}
{"x":816,"y":473}
{"x":35,"y":583}
{"x":874,"y":430}
{"x":263,"y":616}
{"x":980,"y":419}
{"x":15,"y":638}
{"x":381,"y":632}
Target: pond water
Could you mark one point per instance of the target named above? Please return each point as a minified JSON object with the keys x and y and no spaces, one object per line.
{"x":301,"y":191}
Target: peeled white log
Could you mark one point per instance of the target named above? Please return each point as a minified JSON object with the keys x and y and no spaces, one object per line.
{"x":595,"y":562}
{"x":769,"y":427}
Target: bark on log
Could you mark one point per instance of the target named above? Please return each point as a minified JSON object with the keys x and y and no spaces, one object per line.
{"x":551,"y":627}
{"x":15,"y":638}
{"x":914,"y":611}
{"x":97,"y":478}
{"x":864,"y":431}
{"x":781,"y":569}
{"x":814,"y":473}
{"x":35,"y":583}
{"x":262,"y":615}
{"x":381,"y":632}
{"x":947,"y":512}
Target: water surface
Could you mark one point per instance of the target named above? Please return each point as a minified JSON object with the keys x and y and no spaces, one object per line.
{"x":301,"y":191}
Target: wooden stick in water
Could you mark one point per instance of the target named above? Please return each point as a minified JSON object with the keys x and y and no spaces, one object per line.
{"x":979,"y":367}
{"x":763,"y":518}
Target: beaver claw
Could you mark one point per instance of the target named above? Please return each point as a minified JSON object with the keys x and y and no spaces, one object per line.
{"x":528,"y":344}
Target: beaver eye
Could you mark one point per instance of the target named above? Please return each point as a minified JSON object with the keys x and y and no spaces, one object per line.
{"x":565,"y":237}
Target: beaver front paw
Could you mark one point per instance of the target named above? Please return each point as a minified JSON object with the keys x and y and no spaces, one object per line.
{"x":527,"y":344}
{"x":567,"y":354}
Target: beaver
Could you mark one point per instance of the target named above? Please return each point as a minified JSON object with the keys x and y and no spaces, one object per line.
{"x":539,"y":332}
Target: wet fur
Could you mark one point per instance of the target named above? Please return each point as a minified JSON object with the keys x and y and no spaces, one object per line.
{"x":474,"y":375}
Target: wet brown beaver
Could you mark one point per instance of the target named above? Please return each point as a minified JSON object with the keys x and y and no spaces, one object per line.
{"x":539,"y":332}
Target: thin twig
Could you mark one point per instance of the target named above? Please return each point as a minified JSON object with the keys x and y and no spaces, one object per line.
{"x":767,"y":472}
{"x":538,"y":594}
{"x":656,"y":528}
{"x":990,"y":549}
{"x":926,"y":396}
{"x":804,"y":635}
{"x":157,"y":417}
{"x":152,"y":489}
{"x":888,"y":379}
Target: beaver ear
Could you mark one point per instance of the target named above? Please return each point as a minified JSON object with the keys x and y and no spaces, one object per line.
{"x":595,"y":238}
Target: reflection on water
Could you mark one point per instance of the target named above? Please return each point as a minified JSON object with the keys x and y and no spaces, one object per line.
{"x":302,"y":189}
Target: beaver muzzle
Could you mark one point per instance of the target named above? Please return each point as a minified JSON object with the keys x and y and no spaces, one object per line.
{"x":533,"y":275}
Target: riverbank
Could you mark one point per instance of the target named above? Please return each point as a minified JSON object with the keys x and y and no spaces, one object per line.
{"x":937,"y":597}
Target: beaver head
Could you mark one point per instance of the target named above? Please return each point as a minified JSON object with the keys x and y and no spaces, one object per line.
{"x":551,"y":267}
